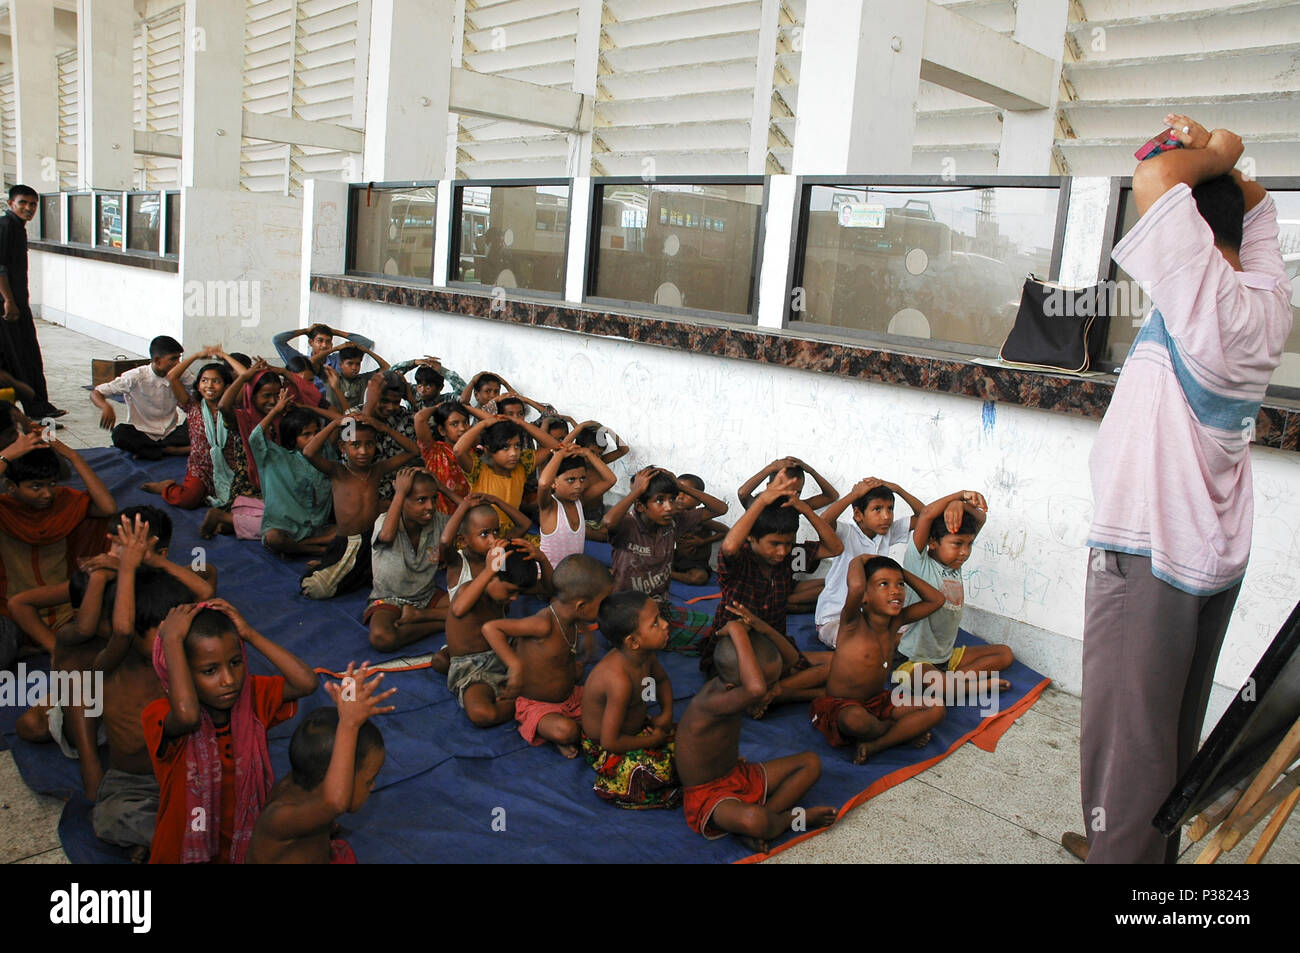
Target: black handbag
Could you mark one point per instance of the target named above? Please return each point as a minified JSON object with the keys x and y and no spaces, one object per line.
{"x":1059,"y":328}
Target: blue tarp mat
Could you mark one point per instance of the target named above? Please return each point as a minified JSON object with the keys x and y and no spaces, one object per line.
{"x":453,"y":792}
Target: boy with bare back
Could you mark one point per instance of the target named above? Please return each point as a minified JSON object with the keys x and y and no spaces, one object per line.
{"x":355,"y":479}
{"x":722,"y":792}
{"x":476,"y":675}
{"x":334,"y":758}
{"x":631,"y":753}
{"x":549,"y":653}
{"x":858,"y":707}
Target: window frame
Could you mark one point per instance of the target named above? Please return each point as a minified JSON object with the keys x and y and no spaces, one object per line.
{"x":350,"y":246}
{"x":94,"y":218}
{"x":1121,"y":187}
{"x":126,"y":221}
{"x":590,"y":265}
{"x":453,"y":239}
{"x":799,"y":242}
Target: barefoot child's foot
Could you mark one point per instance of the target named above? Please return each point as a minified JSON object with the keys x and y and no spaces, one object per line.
{"x":569,"y":751}
{"x":441,"y":661}
{"x":211,"y":524}
{"x":920,"y":741}
{"x":755,"y":844}
{"x":821,"y":817}
{"x":157,"y":486}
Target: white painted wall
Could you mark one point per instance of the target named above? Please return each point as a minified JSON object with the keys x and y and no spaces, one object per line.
{"x":724,"y":419}
{"x":122,"y":305}
{"x":253,"y":240}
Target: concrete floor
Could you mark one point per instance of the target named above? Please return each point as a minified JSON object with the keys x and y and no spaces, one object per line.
{"x":1009,"y":806}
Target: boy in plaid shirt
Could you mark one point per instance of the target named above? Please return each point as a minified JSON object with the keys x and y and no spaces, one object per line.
{"x":756,"y":573}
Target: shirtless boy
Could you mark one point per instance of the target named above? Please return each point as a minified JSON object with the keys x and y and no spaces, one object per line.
{"x":476,"y":674}
{"x":550,"y":651}
{"x":334,"y":757}
{"x":722,"y":792}
{"x":354,"y":479}
{"x":631,"y":753}
{"x":857,"y":706}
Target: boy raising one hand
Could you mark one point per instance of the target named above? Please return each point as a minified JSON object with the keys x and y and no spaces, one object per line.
{"x":334,"y":757}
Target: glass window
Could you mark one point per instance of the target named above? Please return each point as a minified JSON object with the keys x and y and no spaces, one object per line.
{"x":513,"y":236}
{"x":51,"y":227}
{"x":110,"y":220}
{"x":173,"y":224}
{"x":393,"y":231}
{"x":1131,"y":305}
{"x":945,"y":263}
{"x":680,"y":246}
{"x":81,"y":219}
{"x":144,"y":212}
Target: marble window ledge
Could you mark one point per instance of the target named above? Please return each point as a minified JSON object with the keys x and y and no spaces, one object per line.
{"x":1278,"y":426}
{"x":135,"y":259}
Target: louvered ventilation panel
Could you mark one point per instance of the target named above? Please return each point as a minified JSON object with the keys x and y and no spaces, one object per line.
{"x":1233,"y":63}
{"x":8,"y":130}
{"x":530,"y":40}
{"x":676,"y":86}
{"x":300,"y":62}
{"x":159,"y":55}
{"x":69,"y":115}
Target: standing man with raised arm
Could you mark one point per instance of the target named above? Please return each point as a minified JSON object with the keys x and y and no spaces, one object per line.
{"x":20,"y":351}
{"x":1171,"y":479}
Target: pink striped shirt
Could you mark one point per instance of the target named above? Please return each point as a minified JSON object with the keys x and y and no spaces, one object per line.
{"x":1171,"y":464}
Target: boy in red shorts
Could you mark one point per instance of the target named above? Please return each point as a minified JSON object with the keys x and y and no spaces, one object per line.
{"x":722,"y":792}
{"x":857,"y":706}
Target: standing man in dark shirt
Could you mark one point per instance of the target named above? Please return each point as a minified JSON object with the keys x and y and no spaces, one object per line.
{"x":20,"y":352}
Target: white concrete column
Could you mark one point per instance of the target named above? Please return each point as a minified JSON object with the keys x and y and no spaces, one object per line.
{"x":778,"y":231}
{"x":1085,"y":231}
{"x":36,"y":92}
{"x":586,"y":66}
{"x":442,"y":226}
{"x":858,"y":83}
{"x":212,"y":107}
{"x":105,"y":127}
{"x":761,"y":117}
{"x":1028,"y":135}
{"x":579,"y":227}
{"x":408,"y":90}
{"x":457,"y":60}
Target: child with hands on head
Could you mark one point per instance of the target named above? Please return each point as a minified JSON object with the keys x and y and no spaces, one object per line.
{"x":573,"y":475}
{"x":630,"y":751}
{"x":493,"y":455}
{"x":334,"y":757}
{"x":545,"y":654}
{"x":872,"y":530}
{"x":643,"y":528}
{"x":354,"y":479}
{"x":756,"y":569}
{"x":405,"y":602}
{"x":476,"y":675}
{"x":209,"y":472}
{"x":207,"y":738}
{"x":858,"y":705}
{"x":941,"y":543}
{"x":722,"y":792}
{"x":437,"y":428}
{"x":147,"y":588}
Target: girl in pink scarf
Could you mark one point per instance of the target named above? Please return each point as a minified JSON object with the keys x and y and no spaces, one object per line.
{"x":207,"y":738}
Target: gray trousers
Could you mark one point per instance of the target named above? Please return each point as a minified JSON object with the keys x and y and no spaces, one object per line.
{"x":1149,"y":653}
{"x":126,"y":807}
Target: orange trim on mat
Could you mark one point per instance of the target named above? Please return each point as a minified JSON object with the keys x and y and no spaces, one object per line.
{"x":996,"y":725}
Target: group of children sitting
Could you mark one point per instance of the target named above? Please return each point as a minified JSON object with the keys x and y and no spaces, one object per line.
{"x":378,"y":481}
